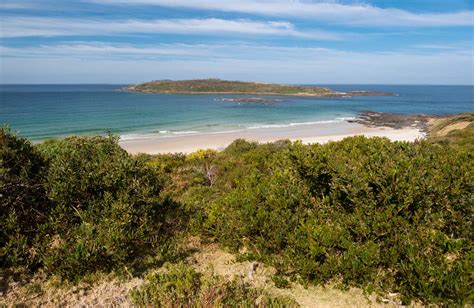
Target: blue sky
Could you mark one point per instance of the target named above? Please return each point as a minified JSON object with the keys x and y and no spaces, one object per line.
{"x":286,"y":41}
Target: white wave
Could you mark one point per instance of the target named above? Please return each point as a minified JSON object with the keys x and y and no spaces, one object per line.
{"x":135,"y":136}
{"x":243,"y":127}
{"x":345,"y":118}
{"x":337,"y":120}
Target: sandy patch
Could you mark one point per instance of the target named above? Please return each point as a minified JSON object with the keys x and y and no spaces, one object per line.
{"x":310,"y":133}
{"x":39,"y":291}
{"x":452,"y":127}
{"x":213,"y":260}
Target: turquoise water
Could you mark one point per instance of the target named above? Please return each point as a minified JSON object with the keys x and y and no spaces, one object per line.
{"x":47,"y":111}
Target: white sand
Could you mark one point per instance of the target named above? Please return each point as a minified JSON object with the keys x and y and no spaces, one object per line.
{"x":311,"y":133}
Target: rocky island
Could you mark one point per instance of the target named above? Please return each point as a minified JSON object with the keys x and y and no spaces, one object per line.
{"x":218,"y":86}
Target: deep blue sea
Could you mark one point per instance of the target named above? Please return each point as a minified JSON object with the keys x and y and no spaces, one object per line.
{"x":47,"y":111}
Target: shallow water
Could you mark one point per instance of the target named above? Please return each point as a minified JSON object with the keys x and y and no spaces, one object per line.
{"x":46,"y":111}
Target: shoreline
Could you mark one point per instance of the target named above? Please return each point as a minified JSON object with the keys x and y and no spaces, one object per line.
{"x":308,"y":134}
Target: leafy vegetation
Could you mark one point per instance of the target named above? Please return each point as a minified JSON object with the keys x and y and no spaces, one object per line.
{"x":80,"y":205}
{"x":380,"y":215}
{"x":385,"y":216}
{"x":24,"y":205}
{"x":374,"y":207}
{"x":181,"y":286}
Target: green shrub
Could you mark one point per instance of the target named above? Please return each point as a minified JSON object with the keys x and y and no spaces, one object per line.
{"x":260,"y":212}
{"x":24,"y":206}
{"x":386,"y":216}
{"x":106,"y":207}
{"x":280,"y":281}
{"x":378,"y":214}
{"x":180,"y":286}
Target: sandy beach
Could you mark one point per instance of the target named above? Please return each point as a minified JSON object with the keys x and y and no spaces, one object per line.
{"x":311,"y":133}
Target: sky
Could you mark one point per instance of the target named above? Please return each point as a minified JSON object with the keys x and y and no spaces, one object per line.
{"x":283,"y":41}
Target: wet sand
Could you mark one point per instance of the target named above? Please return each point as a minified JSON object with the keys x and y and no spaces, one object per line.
{"x":311,"y":133}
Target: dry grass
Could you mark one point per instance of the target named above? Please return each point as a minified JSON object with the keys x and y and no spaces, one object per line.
{"x":439,"y":127}
{"x":206,"y":258}
{"x":452,"y":127}
{"x":40,"y":291}
{"x":458,"y":129}
{"x":210,"y":258}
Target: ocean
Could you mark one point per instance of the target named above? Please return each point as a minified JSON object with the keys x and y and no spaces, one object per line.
{"x":39,"y":112}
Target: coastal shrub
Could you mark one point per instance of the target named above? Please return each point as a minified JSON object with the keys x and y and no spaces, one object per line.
{"x":23,"y":202}
{"x":386,"y":216}
{"x":196,"y":180}
{"x":106,"y":207}
{"x":280,"y":281}
{"x":378,"y":214}
{"x":241,"y":158}
{"x":181,"y":286}
{"x":260,"y":212}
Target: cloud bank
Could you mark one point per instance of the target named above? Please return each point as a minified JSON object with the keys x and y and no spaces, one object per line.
{"x":49,"y":27}
{"x":122,"y":63}
{"x":290,"y":41}
{"x":331,"y":12}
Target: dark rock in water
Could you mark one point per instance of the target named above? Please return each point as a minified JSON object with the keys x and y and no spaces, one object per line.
{"x":393,"y":120}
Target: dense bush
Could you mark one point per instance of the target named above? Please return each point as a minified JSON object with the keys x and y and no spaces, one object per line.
{"x":395,"y":215}
{"x":80,"y":205}
{"x":106,"y":206}
{"x":23,"y":206}
{"x":384,"y":215}
{"x":388,"y":216}
{"x":181,"y":286}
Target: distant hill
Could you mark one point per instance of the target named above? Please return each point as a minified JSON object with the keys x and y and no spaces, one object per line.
{"x":218,"y":86}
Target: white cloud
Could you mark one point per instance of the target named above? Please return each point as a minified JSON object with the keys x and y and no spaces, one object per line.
{"x":332,"y":12}
{"x":100,"y":50}
{"x":447,"y":46}
{"x":43,"y":26}
{"x":122,"y":63}
{"x":120,"y":51}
